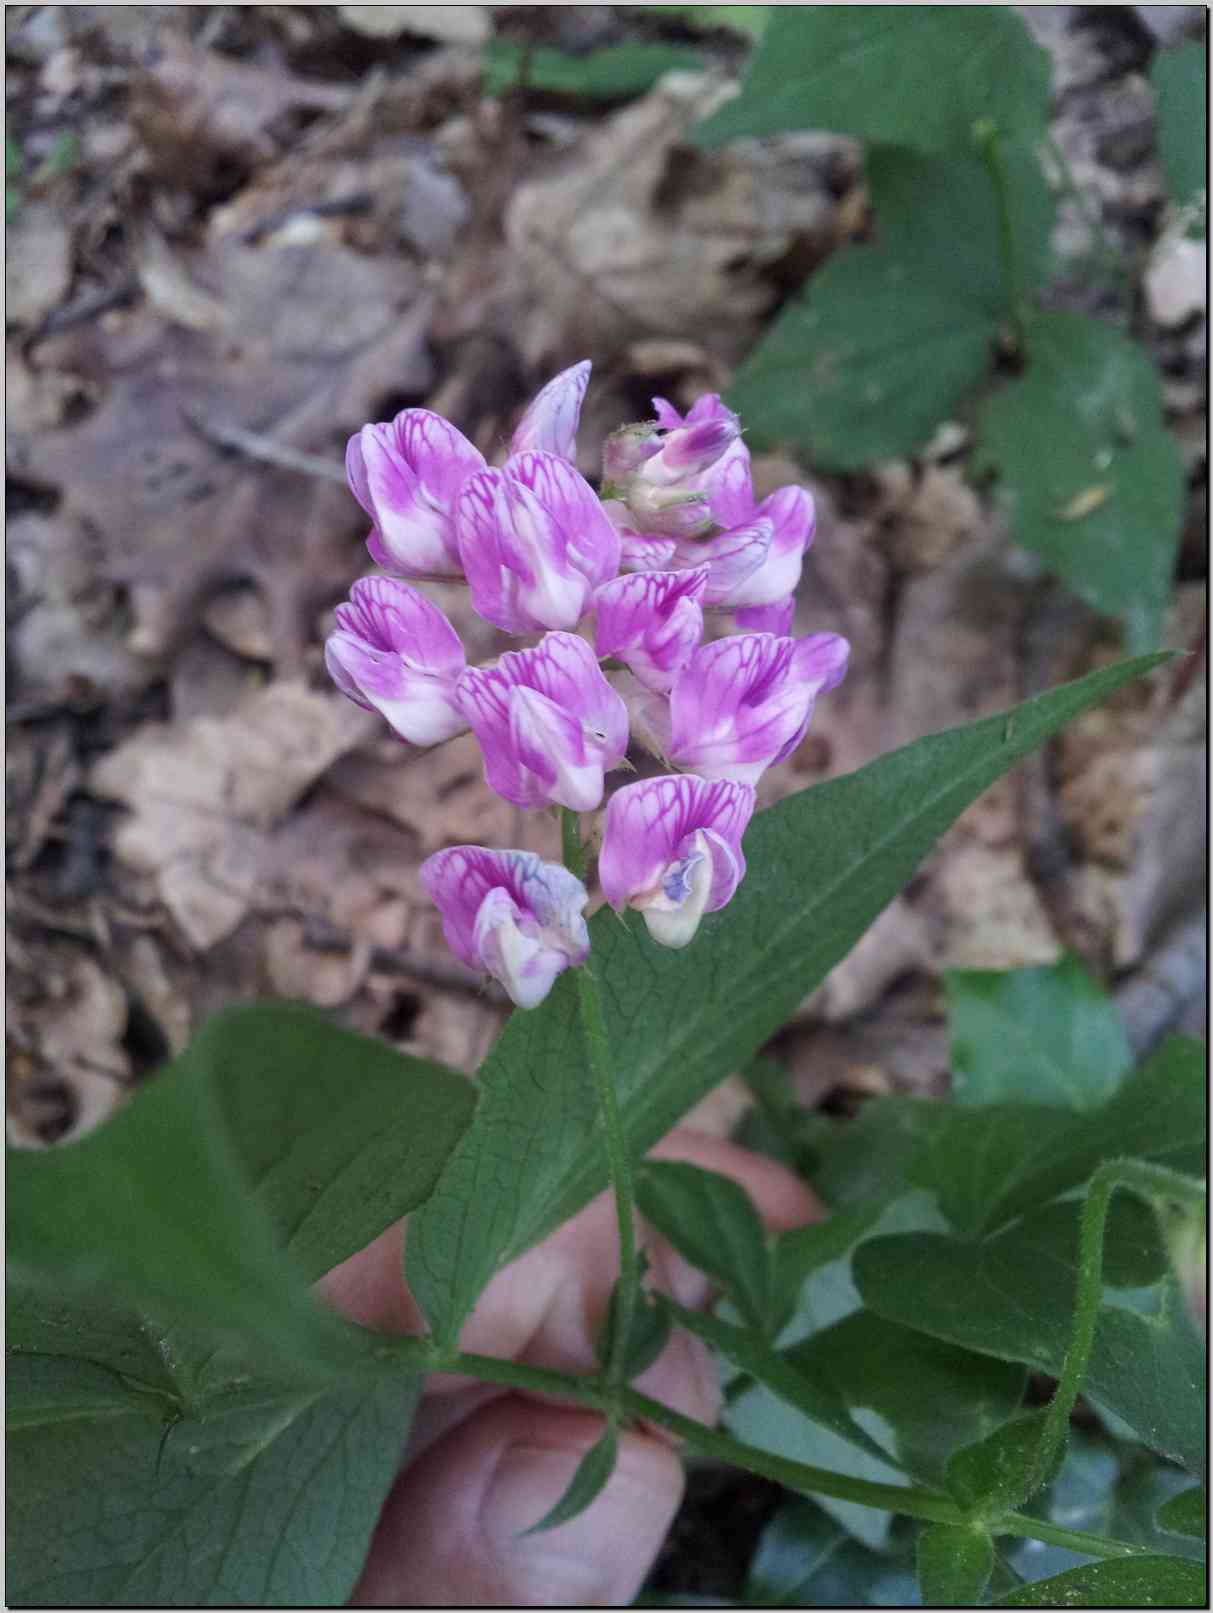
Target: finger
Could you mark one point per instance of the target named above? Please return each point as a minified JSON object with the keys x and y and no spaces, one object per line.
{"x":451,"y":1533}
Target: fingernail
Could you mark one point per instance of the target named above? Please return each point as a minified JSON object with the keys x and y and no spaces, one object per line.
{"x":602,"y":1555}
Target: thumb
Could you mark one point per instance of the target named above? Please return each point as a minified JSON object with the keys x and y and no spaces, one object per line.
{"x":451,"y":1533}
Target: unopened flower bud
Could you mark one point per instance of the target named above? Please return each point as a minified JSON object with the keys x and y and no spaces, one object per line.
{"x":626,"y":450}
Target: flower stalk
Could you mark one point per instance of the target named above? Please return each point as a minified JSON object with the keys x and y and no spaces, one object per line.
{"x":619,"y":1169}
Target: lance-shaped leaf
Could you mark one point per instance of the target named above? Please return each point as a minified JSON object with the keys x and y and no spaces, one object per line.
{"x":822,"y":866}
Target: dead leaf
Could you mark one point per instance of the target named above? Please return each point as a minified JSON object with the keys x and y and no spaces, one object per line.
{"x":204,"y":792}
{"x":453,"y":25}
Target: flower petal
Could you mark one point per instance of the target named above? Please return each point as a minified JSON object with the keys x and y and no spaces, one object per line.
{"x":551,"y":419}
{"x":592,"y":541}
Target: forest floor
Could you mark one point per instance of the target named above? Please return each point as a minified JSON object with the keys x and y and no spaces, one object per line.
{"x":237,"y":233}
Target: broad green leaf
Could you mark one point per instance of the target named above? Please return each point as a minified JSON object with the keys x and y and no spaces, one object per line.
{"x":993,"y":1477}
{"x":822,"y":865}
{"x":338,"y":1134}
{"x":804,"y":1559}
{"x":803,"y":1250}
{"x":1186,"y":1514}
{"x":614,"y":73}
{"x":887,"y":338}
{"x":1012,"y":1296}
{"x":1090,"y":478}
{"x":41,"y":1389}
{"x":152,"y":1209}
{"x":1046,"y":1035}
{"x":86,"y":1329}
{"x":954,"y":1565}
{"x":1181,"y":103}
{"x":917,"y":76}
{"x":587,"y":1484}
{"x":275,"y":1130}
{"x":923,"y":1399}
{"x":799,"y":1390}
{"x":262,"y":1506}
{"x":798,"y":1540}
{"x":1117,"y":1582}
{"x":711,"y":1222}
{"x":987,"y":1165}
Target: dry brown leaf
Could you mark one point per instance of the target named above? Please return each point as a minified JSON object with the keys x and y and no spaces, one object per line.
{"x":640,"y":236}
{"x":314,"y":337}
{"x":37,"y":262}
{"x":204,"y":793}
{"x":453,"y":25}
{"x":72,"y":1070}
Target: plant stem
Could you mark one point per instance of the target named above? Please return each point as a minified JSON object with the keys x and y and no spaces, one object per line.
{"x":1153,"y":1183}
{"x":619,"y":1169}
{"x":989,"y":142}
{"x":1018,"y":1523}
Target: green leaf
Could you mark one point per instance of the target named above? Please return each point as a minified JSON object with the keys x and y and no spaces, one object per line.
{"x":817,"y":1401}
{"x":711,"y":1222}
{"x":887,"y":338}
{"x":650,"y":1333}
{"x":1180,"y":95}
{"x":954,"y":1565}
{"x":338,"y":1134}
{"x":255,"y":1506}
{"x":615,"y":73}
{"x":1117,"y":1582}
{"x":274,"y":1131}
{"x":993,"y":1477}
{"x":798,"y":1253}
{"x":41,"y":1389}
{"x":1091,"y":480}
{"x":927,"y":1398}
{"x":1186,"y":1514}
{"x":822,"y":866}
{"x":1046,"y":1035}
{"x":1012,"y":1296}
{"x":587,"y":1484}
{"x":913,"y":76}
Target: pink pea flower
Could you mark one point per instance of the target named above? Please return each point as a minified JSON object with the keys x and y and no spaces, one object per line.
{"x":535,"y":543}
{"x":743,"y":704}
{"x":406,"y":473}
{"x":652,"y":621}
{"x":510,"y":913}
{"x":551,"y":420}
{"x":732,"y":558}
{"x":548,"y":722}
{"x":393,"y":651}
{"x":776,"y":619}
{"x":690,"y":449}
{"x":672,"y":849}
{"x":626,"y":449}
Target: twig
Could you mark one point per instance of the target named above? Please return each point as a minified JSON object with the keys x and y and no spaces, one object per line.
{"x":254,"y":446}
{"x":88,"y":307}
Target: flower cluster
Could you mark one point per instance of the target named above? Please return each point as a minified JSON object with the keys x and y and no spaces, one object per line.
{"x":676,"y":532}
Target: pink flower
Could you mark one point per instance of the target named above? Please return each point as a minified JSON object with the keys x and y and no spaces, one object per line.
{"x":626,"y":449}
{"x":535,"y":543}
{"x":394,"y":652}
{"x":550,"y":422}
{"x":732,"y":559}
{"x":742,"y":704}
{"x":406,"y":474}
{"x":652,"y":621}
{"x":672,"y":849}
{"x":510,"y":913}
{"x":775,"y":618}
{"x":548,"y":722}
{"x":690,"y":449}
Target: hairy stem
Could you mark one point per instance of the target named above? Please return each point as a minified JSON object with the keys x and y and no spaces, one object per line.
{"x":1156,"y":1185}
{"x":619,"y":1169}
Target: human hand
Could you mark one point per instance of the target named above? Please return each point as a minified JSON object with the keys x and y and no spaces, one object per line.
{"x":484,"y":1462}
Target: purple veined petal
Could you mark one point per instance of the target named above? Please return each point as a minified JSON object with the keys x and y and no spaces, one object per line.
{"x":668,"y":417}
{"x":509,"y":912}
{"x":419,"y":704}
{"x":791,"y":514}
{"x":728,"y":487}
{"x":821,"y":659}
{"x":536,"y":752}
{"x":551,"y":419}
{"x":707,"y":406}
{"x":515,"y":556}
{"x":690,"y":450}
{"x":626,"y":450}
{"x":550,"y":744}
{"x":652,"y":621}
{"x":391,"y":615}
{"x":591,"y":539}
{"x":732,"y":558}
{"x":736,"y":707}
{"x":406,"y":474}
{"x":672,"y":849}
{"x":775,"y":619}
